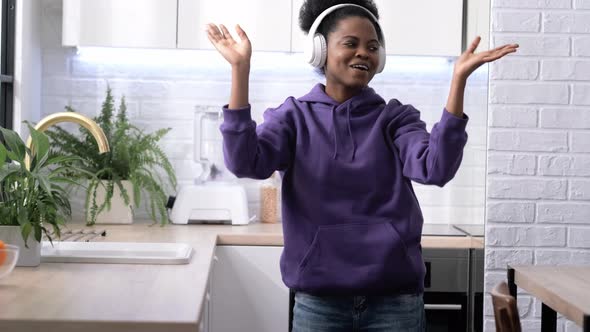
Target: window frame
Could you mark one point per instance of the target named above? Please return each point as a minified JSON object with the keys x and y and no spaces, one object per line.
{"x":7,"y":39}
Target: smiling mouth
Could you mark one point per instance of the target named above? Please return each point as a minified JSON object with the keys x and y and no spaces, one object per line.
{"x":360,"y":67}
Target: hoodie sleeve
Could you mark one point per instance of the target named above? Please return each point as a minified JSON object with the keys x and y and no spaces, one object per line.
{"x":428,"y":158}
{"x":257,"y":151}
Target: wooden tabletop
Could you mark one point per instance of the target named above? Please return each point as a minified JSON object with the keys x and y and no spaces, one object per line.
{"x":565,"y":289}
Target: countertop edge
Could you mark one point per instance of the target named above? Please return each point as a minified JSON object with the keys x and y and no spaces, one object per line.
{"x":266,"y":239}
{"x":76,"y":326}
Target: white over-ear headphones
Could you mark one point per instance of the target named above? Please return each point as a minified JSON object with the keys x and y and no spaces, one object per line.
{"x":316,"y":49}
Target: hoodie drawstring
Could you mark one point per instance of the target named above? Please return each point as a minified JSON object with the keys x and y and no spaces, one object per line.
{"x":349,"y":127}
{"x":335,"y":129}
{"x":350,"y":132}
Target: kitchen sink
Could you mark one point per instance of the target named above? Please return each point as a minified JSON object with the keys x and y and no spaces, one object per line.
{"x":116,"y":252}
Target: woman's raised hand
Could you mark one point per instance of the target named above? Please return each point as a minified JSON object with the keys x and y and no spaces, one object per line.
{"x":236,"y":53}
{"x":469,"y":61}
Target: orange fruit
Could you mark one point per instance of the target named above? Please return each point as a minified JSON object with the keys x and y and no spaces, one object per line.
{"x":2,"y":253}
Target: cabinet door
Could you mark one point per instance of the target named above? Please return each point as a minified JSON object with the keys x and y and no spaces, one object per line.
{"x":247,"y":291}
{"x":478,"y":23}
{"x":422,"y":27}
{"x":267,"y":22}
{"x":116,"y":23}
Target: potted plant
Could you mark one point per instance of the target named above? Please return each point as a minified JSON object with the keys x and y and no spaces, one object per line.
{"x":122,"y":176}
{"x":32,"y":199}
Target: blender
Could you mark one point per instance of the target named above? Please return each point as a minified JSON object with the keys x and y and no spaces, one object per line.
{"x":215,"y":197}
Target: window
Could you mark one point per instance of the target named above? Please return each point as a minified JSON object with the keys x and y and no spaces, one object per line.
{"x":7,"y":62}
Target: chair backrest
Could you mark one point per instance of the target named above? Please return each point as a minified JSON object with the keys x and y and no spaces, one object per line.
{"x":505,"y":310}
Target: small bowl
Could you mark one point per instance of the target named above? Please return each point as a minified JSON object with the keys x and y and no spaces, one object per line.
{"x":10,"y":254}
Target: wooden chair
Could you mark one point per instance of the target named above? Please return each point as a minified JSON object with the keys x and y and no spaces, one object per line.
{"x":505,"y":310}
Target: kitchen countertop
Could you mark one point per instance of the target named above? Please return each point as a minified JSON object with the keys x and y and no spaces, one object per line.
{"x":131,"y":297}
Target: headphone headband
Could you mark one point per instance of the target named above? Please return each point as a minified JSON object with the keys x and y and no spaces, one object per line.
{"x":318,"y":20}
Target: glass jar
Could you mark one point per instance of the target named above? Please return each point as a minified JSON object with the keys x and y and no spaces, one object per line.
{"x":269,"y":199}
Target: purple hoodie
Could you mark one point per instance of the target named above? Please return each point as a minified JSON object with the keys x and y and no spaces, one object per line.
{"x":351,"y":221}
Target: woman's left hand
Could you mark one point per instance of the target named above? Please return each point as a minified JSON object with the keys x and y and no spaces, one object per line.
{"x":469,"y":61}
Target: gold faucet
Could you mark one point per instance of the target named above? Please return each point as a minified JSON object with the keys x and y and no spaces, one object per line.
{"x":48,"y":121}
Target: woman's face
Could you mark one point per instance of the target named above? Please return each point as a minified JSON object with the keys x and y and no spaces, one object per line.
{"x":353,"y":53}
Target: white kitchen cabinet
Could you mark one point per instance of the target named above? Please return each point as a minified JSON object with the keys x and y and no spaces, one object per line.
{"x":418,"y":27}
{"x":422,"y":27}
{"x":116,"y":23}
{"x":267,"y":22}
{"x":478,"y":23}
{"x":247,"y":292}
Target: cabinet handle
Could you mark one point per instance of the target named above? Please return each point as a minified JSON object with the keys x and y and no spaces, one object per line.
{"x":443,"y":307}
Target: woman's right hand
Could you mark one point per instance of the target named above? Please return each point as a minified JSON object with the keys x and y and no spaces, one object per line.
{"x":235,"y":53}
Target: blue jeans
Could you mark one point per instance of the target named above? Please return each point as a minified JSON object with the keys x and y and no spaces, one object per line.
{"x":358,"y":313}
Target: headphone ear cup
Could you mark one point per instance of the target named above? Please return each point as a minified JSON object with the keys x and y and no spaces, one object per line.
{"x":319,"y":51}
{"x":323,"y":51}
{"x":382,"y":57}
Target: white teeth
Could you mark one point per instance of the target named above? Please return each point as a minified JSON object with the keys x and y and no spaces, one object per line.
{"x":363,"y":67}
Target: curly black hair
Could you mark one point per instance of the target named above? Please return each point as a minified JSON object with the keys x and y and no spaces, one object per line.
{"x":311,"y":9}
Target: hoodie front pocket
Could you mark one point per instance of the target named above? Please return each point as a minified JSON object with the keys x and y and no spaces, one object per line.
{"x":357,"y":256}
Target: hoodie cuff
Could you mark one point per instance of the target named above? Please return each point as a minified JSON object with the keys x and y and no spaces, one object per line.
{"x":449,"y":120}
{"x":238,"y":119}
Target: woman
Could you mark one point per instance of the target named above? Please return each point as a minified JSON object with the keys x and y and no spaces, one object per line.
{"x":351,"y":221}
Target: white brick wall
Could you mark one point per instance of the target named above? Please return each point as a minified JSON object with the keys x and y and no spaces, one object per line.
{"x":513,"y":116}
{"x":581,"y":93}
{"x":563,"y":70}
{"x":567,"y":118}
{"x":538,"y":185}
{"x":579,"y":189}
{"x":534,"y":44}
{"x":515,"y":69}
{"x":519,"y":21}
{"x":566,"y":22}
{"x":564,"y":165}
{"x":581,"y":46}
{"x":508,"y":212}
{"x":511,"y":164}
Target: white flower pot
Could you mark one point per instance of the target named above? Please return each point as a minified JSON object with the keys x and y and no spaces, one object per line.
{"x":119,"y":213}
{"x":30,"y":256}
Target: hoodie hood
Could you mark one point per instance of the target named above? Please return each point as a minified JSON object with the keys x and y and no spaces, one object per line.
{"x":365,"y":101}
